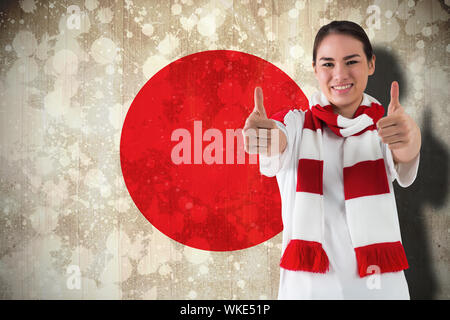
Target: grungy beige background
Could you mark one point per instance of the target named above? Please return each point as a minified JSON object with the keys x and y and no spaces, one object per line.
{"x":67,"y":79}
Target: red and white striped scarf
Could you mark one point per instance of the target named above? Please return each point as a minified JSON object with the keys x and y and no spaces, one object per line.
{"x":369,"y":203}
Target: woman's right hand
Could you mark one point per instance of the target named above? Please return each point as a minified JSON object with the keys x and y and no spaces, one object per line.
{"x":262,"y":135}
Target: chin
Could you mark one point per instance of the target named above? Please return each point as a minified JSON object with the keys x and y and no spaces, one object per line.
{"x":342,"y":101}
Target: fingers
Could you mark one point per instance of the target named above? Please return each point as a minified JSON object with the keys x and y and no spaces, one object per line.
{"x":259,"y":103}
{"x":393,"y":131}
{"x":388,"y":131}
{"x":267,"y":151}
{"x":397,"y":145}
{"x":257,"y":149}
{"x":261,"y":141}
{"x":385,"y":122}
{"x":258,"y":133}
{"x":391,"y":120}
{"x":394,"y":139}
{"x":254,"y":145}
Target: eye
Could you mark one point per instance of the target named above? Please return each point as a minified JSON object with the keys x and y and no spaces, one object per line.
{"x":328,"y":64}
{"x":352,"y":62}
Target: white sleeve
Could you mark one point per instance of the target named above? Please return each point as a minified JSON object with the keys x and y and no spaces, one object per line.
{"x":292,"y":126}
{"x":404,"y":172}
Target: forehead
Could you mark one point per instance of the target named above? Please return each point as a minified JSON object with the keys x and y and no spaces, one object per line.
{"x":339,"y":45}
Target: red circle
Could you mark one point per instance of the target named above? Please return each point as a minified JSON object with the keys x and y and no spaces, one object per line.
{"x":217,"y":207}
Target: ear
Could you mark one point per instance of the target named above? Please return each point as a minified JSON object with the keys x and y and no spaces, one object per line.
{"x":314,"y":68}
{"x":372,"y":65}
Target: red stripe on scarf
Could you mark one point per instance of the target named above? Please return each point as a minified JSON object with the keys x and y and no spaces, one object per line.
{"x":365,"y":178}
{"x":301,"y":255}
{"x":375,"y":111}
{"x":381,"y":258}
{"x":311,"y":122}
{"x":327,"y":115}
{"x":310,"y":176}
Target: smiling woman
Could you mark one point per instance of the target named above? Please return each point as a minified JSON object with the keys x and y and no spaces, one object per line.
{"x":335,"y":166}
{"x":342,"y":61}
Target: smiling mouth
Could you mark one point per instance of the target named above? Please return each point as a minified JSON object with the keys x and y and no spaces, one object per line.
{"x":342,"y":88}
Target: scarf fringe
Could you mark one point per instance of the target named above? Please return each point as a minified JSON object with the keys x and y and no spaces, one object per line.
{"x":301,"y":255}
{"x":381,"y":258}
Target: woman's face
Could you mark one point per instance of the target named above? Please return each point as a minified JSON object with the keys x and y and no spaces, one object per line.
{"x":342,"y":70}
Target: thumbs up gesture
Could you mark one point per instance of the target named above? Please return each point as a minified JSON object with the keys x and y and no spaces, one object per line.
{"x":398,"y":130}
{"x":261,"y":135}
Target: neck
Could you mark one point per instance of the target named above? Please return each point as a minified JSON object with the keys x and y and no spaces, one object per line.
{"x":349,"y":110}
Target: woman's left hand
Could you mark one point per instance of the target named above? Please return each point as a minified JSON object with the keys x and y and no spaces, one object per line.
{"x":399,"y":131}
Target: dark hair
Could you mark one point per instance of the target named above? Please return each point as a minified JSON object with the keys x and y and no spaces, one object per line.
{"x":343,"y":27}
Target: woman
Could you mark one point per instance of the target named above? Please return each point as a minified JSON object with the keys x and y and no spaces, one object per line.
{"x":335,"y":164}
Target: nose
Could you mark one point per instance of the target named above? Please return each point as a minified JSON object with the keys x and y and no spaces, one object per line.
{"x":340,"y":73}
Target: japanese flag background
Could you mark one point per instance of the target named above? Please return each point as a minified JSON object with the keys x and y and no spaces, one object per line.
{"x":92,"y":205}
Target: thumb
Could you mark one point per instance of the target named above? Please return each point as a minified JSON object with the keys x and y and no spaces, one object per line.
{"x":259,"y":103}
{"x":395,"y":103}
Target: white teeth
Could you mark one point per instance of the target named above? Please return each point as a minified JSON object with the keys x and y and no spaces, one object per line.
{"x":342,"y":87}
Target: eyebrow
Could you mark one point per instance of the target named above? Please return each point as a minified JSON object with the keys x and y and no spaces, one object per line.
{"x":345,"y":58}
